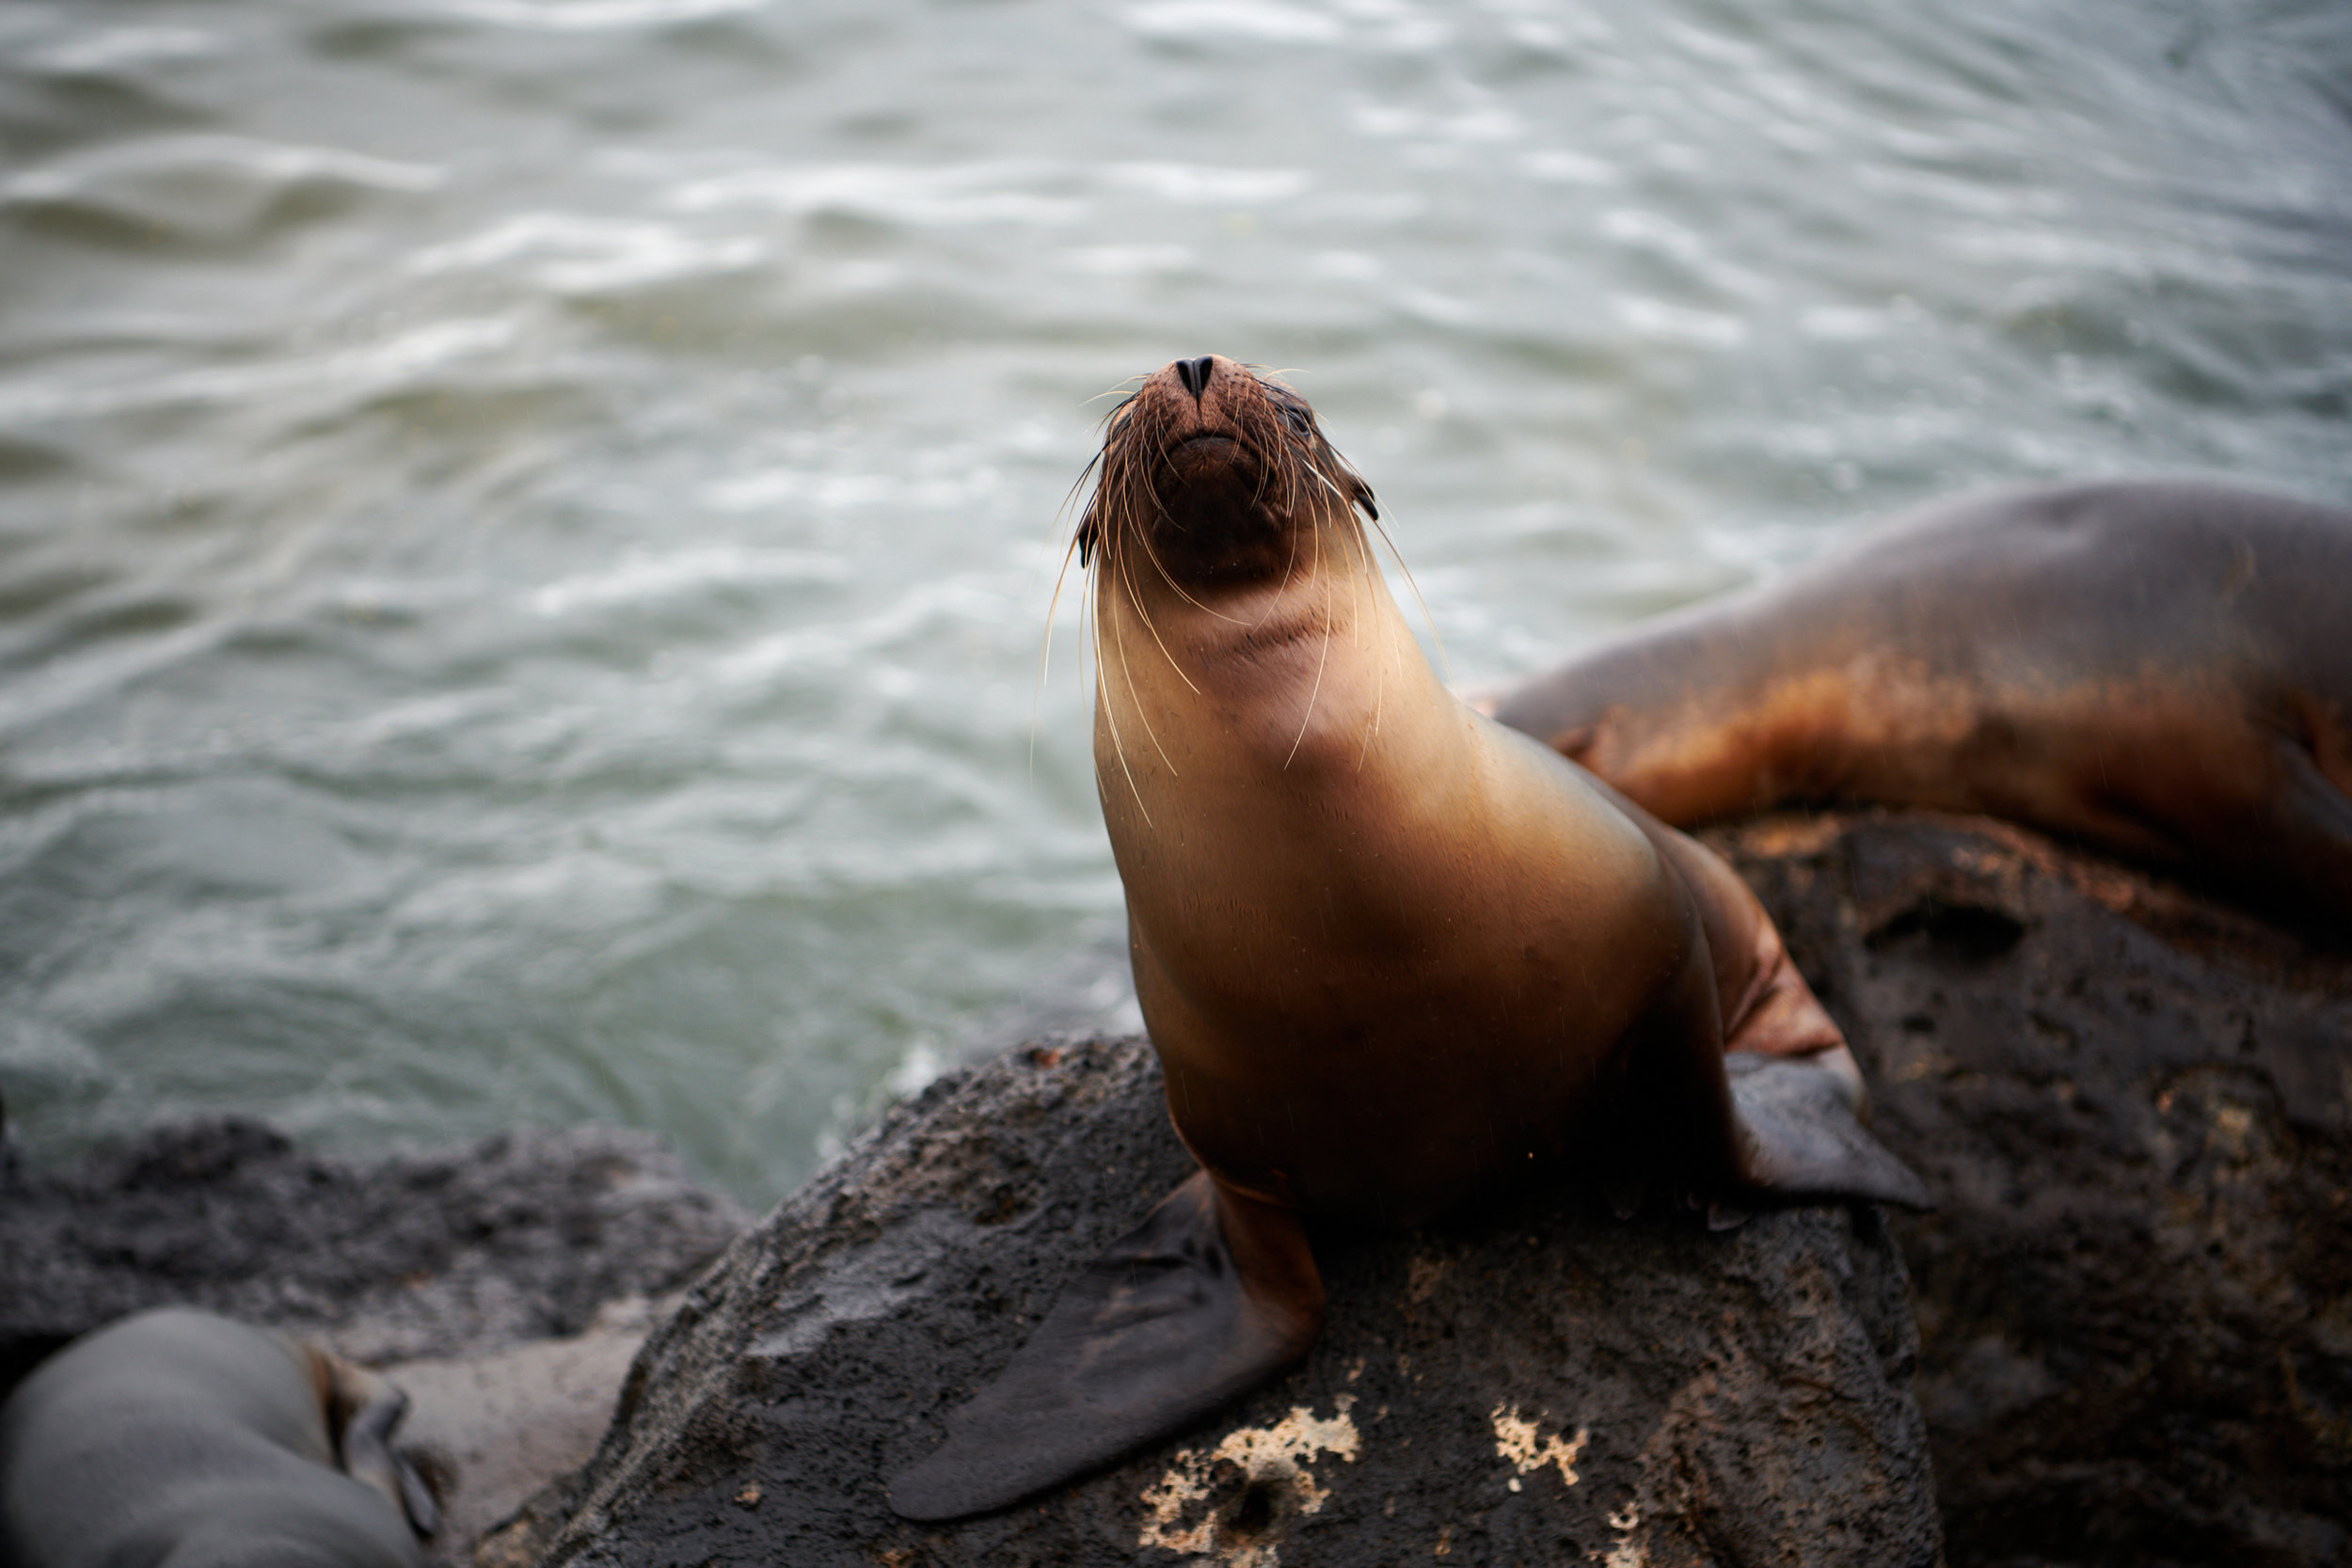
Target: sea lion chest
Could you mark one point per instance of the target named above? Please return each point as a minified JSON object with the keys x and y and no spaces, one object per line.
{"x":1382,"y":978}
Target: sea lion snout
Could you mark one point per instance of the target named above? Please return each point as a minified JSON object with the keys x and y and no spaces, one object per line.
{"x":1191,"y":402}
{"x":1208,"y":470}
{"x":1193,"y":376}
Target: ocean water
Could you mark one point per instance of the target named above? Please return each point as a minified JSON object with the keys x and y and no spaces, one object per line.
{"x":525,"y":526}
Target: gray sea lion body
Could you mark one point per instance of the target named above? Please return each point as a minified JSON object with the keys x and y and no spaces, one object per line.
{"x":178,"y":1440}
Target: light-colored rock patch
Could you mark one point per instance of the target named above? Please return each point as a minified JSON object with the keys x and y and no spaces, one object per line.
{"x":1274,"y":1460}
{"x":510,"y":1420}
{"x":1515,"y":1442}
{"x":1626,"y":1552}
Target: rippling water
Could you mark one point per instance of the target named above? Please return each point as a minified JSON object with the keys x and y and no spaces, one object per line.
{"x":525,"y":525}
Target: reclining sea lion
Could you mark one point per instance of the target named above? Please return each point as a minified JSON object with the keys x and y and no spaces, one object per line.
{"x":2163,"y":668}
{"x":175,"y":1438}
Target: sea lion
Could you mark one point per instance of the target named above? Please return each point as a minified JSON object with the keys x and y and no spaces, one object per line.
{"x":1392,"y":956}
{"x":2162,"y":668}
{"x":186,"y":1440}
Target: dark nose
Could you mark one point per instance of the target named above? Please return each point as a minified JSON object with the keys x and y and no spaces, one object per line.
{"x":1194,"y":374}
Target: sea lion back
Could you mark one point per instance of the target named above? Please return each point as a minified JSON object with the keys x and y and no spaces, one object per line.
{"x":178,"y":1439}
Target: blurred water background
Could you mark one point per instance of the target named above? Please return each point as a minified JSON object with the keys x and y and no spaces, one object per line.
{"x":526,"y":525}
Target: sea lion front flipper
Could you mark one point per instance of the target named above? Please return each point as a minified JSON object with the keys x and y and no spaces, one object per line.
{"x":1803,"y":1135}
{"x":364,"y":1410}
{"x":1212,"y":1294}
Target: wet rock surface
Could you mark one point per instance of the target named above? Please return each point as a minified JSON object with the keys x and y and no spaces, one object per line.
{"x":2135,"y":1106}
{"x":1539,"y":1385}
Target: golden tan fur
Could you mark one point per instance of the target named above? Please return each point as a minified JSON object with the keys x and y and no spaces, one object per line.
{"x":2158,"y":666}
{"x":1388,"y":951}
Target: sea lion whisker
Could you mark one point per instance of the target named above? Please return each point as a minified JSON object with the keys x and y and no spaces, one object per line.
{"x":1248,"y":442}
{"x":1321,"y":660}
{"x":1136,"y":599}
{"x":1115,"y":564}
{"x":1089,"y":532}
{"x":1142,"y":714}
{"x":1356,"y":620}
{"x":1046,"y":653}
{"x":1380,"y":669}
{"x":1329,"y":483}
{"x":1289,"y":565}
{"x":1445,"y":665}
{"x":1119,"y":746}
{"x":1080,"y":543}
{"x":1352,"y":498}
{"x":1144,"y":538}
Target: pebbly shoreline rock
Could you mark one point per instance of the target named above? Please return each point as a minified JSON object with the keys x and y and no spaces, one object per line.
{"x":1541,"y":1385}
{"x":2135,"y":1107}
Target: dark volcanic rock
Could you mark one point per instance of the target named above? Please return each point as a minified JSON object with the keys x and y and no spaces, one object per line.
{"x":2135,"y":1304}
{"x":2136,"y":1109}
{"x":521,"y":1236}
{"x":1540,"y":1385}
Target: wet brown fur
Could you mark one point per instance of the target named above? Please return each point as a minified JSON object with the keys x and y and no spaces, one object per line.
{"x":2161,"y":667}
{"x":1392,"y":956}
{"x":1224,"y":547}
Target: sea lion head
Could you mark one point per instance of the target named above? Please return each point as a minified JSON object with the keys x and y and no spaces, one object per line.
{"x":1207,"y":476}
{"x":1240,"y":625}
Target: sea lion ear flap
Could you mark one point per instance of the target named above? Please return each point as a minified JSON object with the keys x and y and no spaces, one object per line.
{"x":1088,"y":536}
{"x":1363,"y":498}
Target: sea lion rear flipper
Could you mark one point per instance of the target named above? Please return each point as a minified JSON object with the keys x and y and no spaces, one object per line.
{"x":1208,"y":1296}
{"x":1803,"y":1135}
{"x":367,"y":1409}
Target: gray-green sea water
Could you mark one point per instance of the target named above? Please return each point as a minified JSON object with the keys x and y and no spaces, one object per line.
{"x":526,"y":525}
